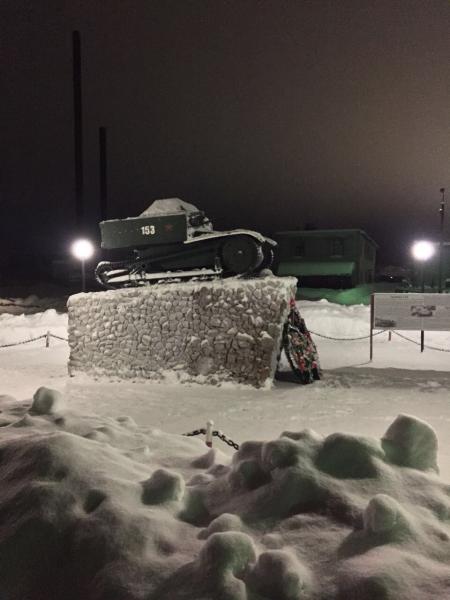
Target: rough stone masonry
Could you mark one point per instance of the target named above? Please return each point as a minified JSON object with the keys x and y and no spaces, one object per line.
{"x":223,"y":330}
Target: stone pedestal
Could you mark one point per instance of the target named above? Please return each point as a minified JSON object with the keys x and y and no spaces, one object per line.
{"x":226,"y":330}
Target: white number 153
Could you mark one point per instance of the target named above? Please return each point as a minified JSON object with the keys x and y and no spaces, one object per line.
{"x":148,"y":230}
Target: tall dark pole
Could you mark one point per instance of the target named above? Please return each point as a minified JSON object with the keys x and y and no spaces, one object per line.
{"x":83,"y":276}
{"x":103,"y":173}
{"x":441,"y":239}
{"x":422,"y":276}
{"x":78,"y":130}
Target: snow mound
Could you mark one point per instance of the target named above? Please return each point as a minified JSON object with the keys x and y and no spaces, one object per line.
{"x":103,"y":509}
{"x":18,"y":328}
{"x":46,"y":401}
{"x":168,"y":206}
{"x":412,"y":443}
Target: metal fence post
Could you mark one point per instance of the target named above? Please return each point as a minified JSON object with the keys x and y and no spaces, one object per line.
{"x":209,"y":433}
{"x":372,"y":310}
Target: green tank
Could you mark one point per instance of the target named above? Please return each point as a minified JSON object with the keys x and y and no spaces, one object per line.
{"x":174,"y":240}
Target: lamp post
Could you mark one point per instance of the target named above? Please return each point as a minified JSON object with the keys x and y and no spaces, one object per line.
{"x":422,"y":251}
{"x":83,"y":251}
{"x":441,"y":238}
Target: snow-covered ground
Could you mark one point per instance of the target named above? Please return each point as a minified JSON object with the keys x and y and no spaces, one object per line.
{"x":98,"y":503}
{"x":355,"y":395}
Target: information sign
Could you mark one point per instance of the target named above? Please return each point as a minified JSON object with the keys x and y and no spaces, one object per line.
{"x":416,"y":312}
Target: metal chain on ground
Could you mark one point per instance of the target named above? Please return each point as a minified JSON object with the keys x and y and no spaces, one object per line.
{"x":418,"y":343}
{"x":195,"y":432}
{"x":215,"y":433}
{"x":224,"y":438}
{"x":39,"y":337}
{"x":363,"y":337}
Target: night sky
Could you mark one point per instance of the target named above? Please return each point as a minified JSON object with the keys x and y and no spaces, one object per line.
{"x":267,"y":114}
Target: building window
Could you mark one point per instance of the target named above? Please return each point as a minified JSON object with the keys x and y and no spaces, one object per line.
{"x":337,"y":247}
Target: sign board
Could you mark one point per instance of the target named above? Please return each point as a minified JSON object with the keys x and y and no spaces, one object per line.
{"x":415,"y":312}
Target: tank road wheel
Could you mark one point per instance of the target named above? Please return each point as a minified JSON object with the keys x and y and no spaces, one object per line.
{"x":241,"y":254}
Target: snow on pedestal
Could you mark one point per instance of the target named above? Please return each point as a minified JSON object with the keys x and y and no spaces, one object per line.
{"x":227,"y":330}
{"x":86,"y":513}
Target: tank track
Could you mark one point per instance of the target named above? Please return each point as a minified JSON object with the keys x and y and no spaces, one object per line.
{"x":116,"y":275}
{"x":129,"y":273}
{"x":146,"y":271}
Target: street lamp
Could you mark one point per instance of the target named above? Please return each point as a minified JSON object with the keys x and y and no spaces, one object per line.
{"x":423,"y":251}
{"x":441,"y":238}
{"x":83,"y":251}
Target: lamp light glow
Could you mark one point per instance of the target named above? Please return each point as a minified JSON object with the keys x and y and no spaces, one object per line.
{"x":82,"y":249}
{"x":423,"y":250}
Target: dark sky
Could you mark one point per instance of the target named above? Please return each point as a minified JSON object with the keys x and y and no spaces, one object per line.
{"x":267,"y":114}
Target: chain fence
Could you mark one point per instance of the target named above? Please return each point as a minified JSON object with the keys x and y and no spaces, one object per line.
{"x":45,"y":336}
{"x":404,"y":337}
{"x":214,"y":433}
{"x":58,"y":337}
{"x":365,"y":337}
{"x":348,"y":339}
{"x":49,"y":335}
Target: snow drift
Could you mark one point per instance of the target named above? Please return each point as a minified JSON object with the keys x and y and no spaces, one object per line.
{"x":101,"y":509}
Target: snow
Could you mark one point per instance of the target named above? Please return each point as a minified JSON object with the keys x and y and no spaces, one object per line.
{"x":102,"y":507}
{"x":46,"y":401}
{"x":168,"y":206}
{"x":17,"y":328}
{"x":98,"y":502}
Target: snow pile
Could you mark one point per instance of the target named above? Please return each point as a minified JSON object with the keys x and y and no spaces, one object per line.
{"x":175,"y":206}
{"x":226,"y":330}
{"x":335,"y":320}
{"x":17,"y":328}
{"x":168,"y":206}
{"x":101,"y":509}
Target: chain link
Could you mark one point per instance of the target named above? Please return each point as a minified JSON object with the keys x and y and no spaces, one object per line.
{"x":215,"y":433}
{"x":327,"y":337}
{"x":58,"y":337}
{"x":418,"y":343}
{"x":195,"y":432}
{"x":224,"y":438}
{"x":39,"y":337}
{"x":363,"y":337}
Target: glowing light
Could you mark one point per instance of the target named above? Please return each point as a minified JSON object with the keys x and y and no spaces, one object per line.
{"x":82,"y":249}
{"x":423,"y":250}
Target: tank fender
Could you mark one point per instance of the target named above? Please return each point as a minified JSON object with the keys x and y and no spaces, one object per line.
{"x":262,"y":239}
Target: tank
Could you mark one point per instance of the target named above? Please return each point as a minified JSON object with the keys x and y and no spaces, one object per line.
{"x":174,"y":240}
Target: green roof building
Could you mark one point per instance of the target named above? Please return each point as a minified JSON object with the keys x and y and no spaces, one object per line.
{"x":327,"y":258}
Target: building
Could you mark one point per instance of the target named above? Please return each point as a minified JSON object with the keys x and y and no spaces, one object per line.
{"x":327,"y":258}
